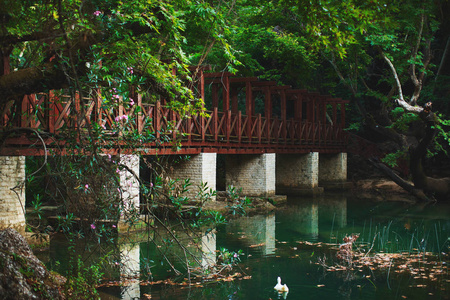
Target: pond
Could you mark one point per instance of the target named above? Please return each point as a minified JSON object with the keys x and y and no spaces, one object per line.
{"x":298,"y":243}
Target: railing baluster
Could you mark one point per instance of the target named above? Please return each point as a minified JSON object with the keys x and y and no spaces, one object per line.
{"x":157,"y":114}
{"x":228,"y":127}
{"x":239,"y":126}
{"x":215,"y":124}
{"x":259,"y":129}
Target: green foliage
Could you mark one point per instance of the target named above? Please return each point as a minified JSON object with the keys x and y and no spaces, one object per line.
{"x":354,"y":126}
{"x":238,"y":204}
{"x":81,"y":279}
{"x":227,"y":257}
{"x":402,"y":120}
{"x":442,"y":140}
{"x":391,"y":159}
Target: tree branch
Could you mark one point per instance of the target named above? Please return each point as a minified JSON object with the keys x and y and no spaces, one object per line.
{"x":400,"y":181}
{"x":412,"y":69}
{"x":394,"y":73}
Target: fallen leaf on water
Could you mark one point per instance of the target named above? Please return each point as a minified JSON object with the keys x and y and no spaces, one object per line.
{"x":258,"y":245}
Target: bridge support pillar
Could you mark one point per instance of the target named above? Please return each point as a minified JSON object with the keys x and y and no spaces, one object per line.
{"x":128,"y":183}
{"x":298,"y":174}
{"x":200,"y":168}
{"x":254,"y":173}
{"x":333,"y":170}
{"x":12,"y":203}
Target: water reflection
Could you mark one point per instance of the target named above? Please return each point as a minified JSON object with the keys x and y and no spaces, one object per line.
{"x":272,"y":240}
{"x":303,"y":217}
{"x":333,"y":210}
{"x":209,"y":243}
{"x":254,"y":231}
{"x":130,"y":271}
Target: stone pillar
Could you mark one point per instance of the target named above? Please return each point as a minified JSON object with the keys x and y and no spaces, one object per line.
{"x":254,"y":173}
{"x":298,"y":174}
{"x":12,"y":203}
{"x":333,"y":170}
{"x":200,"y":168}
{"x":128,"y":182}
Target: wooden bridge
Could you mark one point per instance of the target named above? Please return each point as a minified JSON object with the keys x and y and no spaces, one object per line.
{"x":243,"y":116}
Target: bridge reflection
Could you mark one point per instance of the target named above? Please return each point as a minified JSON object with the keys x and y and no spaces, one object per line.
{"x":140,"y":257}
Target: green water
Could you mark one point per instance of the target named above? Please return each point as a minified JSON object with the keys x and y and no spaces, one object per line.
{"x":272,"y":246}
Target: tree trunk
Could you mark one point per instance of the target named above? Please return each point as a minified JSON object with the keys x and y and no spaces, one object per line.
{"x":439,"y":188}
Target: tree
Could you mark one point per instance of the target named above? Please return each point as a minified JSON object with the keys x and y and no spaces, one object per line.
{"x":367,"y":51}
{"x":109,"y":49}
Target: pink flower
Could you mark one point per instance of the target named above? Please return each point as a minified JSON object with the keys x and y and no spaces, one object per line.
{"x":130,"y":69}
{"x":123,"y":117}
{"x":86,"y":187}
{"x":131,"y":102}
{"x":151,"y":184}
{"x":97,"y":13}
{"x":114,"y":226}
{"x":92,"y":226}
{"x":235,"y":255}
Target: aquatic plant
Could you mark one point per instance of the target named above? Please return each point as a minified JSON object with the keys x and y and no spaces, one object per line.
{"x":237,"y":204}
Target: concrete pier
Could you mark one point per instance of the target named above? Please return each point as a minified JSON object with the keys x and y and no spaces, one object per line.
{"x":333,"y":171}
{"x":200,"y":168}
{"x":12,"y":192}
{"x":254,"y":173}
{"x":298,"y":174}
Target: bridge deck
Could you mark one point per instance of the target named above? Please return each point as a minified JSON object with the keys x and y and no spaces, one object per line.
{"x":299,"y":121}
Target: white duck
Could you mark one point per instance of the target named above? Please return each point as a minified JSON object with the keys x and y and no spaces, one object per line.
{"x":281,"y":288}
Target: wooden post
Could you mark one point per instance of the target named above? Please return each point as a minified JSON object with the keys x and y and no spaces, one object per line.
{"x":5,"y":62}
{"x":258,"y":128}
{"x":228,"y":127}
{"x":226,"y":93}
{"x":239,"y":126}
{"x":98,"y":107}
{"x":77,"y":109}
{"x":248,"y":107}
{"x":216,"y":123}
{"x":28,"y":101}
{"x":189,"y":128}
{"x":283,"y":114}
{"x":202,"y":85}
{"x":312,"y":119}
{"x":203,"y":124}
{"x":157,"y":113}
{"x":268,"y":110}
{"x":173,"y":118}
{"x":51,"y":112}
{"x":140,"y":116}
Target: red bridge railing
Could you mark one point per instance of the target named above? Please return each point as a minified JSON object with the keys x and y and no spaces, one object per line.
{"x":316,"y":123}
